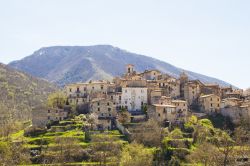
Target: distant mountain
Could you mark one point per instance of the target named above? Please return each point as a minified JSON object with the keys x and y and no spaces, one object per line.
{"x":68,"y":64}
{"x":20,"y":92}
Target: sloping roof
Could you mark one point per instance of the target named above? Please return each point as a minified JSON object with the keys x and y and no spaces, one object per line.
{"x":210,"y":95}
{"x":164,"y":105}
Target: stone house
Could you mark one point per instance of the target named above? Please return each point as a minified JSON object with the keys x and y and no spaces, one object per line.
{"x":106,"y":112}
{"x":133,"y":98}
{"x":103,"y":107}
{"x":80,"y":93}
{"x":210,"y":103}
{"x":192,"y":91}
{"x":211,"y":89}
{"x":163,"y":113}
{"x":42,"y":115}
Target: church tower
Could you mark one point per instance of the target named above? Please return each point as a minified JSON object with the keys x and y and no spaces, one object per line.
{"x":129,"y":69}
{"x":183,"y":81}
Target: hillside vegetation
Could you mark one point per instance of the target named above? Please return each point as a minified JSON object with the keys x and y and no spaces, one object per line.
{"x":68,"y":64}
{"x":19,"y":93}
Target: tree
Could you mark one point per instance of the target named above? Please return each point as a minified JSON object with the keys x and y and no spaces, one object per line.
{"x":57,"y":100}
{"x":68,"y":148}
{"x":92,"y":120}
{"x":123,"y":116}
{"x":150,"y":134}
{"x":13,"y":154}
{"x":136,"y":155}
{"x":105,"y":149}
{"x":225,"y":145}
{"x":206,"y":154}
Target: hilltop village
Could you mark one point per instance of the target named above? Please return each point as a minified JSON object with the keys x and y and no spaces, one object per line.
{"x":147,"y":95}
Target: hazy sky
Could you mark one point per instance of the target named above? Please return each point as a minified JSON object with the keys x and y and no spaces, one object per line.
{"x":211,"y":37}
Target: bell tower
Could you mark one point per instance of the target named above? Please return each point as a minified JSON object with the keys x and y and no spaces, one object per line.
{"x":129,"y":69}
{"x":183,"y":81}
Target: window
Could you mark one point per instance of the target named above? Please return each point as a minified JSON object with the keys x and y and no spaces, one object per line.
{"x":98,"y":109}
{"x":109,"y":109}
{"x":56,"y":111}
{"x":48,"y":117}
{"x":108,"y":103}
{"x":164,"y":110}
{"x":211,"y":105}
{"x":109,"y":114}
{"x":98,"y":103}
{"x":120,"y":98}
{"x":48,"y":111}
{"x":159,"y":115}
{"x":85,"y":89}
{"x":211,"y":99}
{"x":78,"y":89}
{"x":111,"y":97}
{"x":93,"y":88}
{"x":102,"y":87}
{"x":218,"y":105}
{"x":70,"y":90}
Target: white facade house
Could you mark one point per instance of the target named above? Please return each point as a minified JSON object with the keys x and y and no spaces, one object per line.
{"x":133,"y":98}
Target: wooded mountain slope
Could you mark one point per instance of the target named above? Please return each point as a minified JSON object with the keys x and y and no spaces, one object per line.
{"x":20,"y":92}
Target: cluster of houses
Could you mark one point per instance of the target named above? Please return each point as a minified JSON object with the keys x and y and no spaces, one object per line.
{"x":152,"y":94}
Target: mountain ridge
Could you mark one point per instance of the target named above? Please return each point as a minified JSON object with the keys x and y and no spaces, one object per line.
{"x":68,"y":64}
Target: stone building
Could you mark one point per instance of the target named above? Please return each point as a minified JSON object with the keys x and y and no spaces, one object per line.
{"x":133,"y":98}
{"x":163,"y":113}
{"x":80,"y":93}
{"x":103,"y":107}
{"x":106,"y":112}
{"x":210,"y":103}
{"x":42,"y":115}
{"x":211,"y":89}
{"x":192,"y":91}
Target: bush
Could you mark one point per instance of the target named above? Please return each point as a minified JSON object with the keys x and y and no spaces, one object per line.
{"x":34,"y":131}
{"x":39,"y":141}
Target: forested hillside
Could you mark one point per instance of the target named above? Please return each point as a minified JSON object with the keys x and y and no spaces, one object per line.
{"x":20,"y":92}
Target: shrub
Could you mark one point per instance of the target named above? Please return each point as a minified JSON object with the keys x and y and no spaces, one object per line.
{"x":34,"y":131}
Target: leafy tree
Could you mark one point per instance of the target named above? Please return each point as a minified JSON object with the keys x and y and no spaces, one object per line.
{"x":57,"y":100}
{"x":13,"y":154}
{"x":123,"y":116}
{"x":136,"y":155}
{"x":105,"y":148}
{"x":150,"y":134}
{"x":205,"y":154}
{"x":225,"y":145}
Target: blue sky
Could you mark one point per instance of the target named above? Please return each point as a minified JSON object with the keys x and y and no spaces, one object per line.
{"x":211,"y":37}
